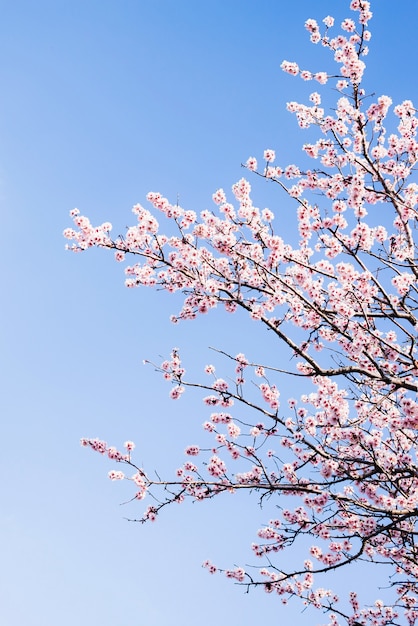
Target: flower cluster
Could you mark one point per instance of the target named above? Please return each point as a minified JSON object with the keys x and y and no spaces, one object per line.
{"x":342,"y":304}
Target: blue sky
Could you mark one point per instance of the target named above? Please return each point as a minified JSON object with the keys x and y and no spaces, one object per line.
{"x":101,"y":102}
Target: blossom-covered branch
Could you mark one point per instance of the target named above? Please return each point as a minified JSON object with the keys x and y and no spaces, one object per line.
{"x":343,"y":300}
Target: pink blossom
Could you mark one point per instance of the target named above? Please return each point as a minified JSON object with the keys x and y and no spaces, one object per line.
{"x":176,"y":392}
{"x":114,"y":475}
{"x":220,"y":385}
{"x":268,"y":215}
{"x":315,"y":98}
{"x":216,"y":466}
{"x":337,"y":297}
{"x":251,"y":164}
{"x":192,"y":450}
{"x":290,"y":68}
{"x":402,"y":282}
{"x":342,"y":84}
{"x":321,"y":77}
{"x":328,"y":21}
{"x":269,"y":156}
{"x":306,"y":75}
{"x":212,"y":569}
{"x":234,"y":430}
{"x":219,"y":196}
{"x":348,"y":25}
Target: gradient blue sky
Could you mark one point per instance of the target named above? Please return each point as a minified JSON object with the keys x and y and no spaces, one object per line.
{"x":101,"y":102}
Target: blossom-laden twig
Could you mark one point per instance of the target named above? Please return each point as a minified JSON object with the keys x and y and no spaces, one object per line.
{"x":343,"y":301}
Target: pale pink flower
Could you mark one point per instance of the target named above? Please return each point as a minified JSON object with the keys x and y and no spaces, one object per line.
{"x":306,"y":75}
{"x":290,"y":68}
{"x":342,"y":84}
{"x":212,"y":569}
{"x":315,"y":98}
{"x":219,"y":196}
{"x":114,"y":475}
{"x":234,"y":430}
{"x":269,"y":155}
{"x":267,"y":215}
{"x":192,"y":450}
{"x":321,"y":77}
{"x":251,"y":164}
{"x":348,"y":25}
{"x":220,"y":385}
{"x":176,"y":392}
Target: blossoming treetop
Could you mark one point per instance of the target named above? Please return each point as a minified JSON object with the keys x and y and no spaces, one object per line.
{"x":343,"y":301}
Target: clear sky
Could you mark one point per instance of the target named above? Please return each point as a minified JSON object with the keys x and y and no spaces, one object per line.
{"x":101,"y":102}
